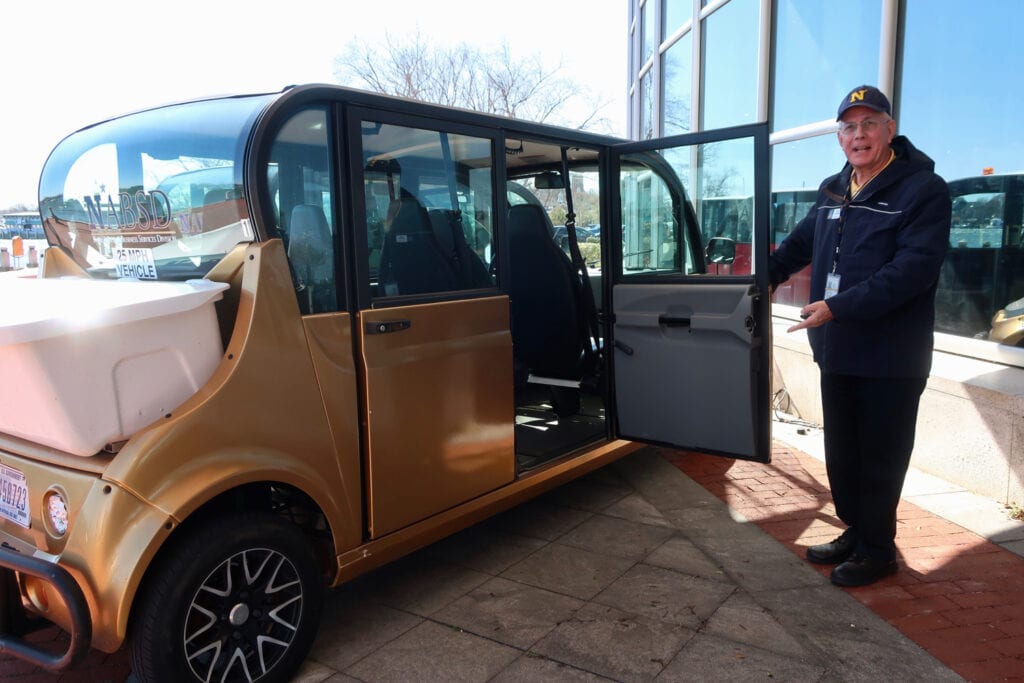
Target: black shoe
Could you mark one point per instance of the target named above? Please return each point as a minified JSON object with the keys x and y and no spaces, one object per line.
{"x":861,"y":570}
{"x":835,"y":552}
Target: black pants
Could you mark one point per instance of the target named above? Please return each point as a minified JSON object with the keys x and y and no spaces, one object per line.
{"x":869,"y":436}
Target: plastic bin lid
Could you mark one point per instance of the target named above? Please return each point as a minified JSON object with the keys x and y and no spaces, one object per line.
{"x":35,"y":309}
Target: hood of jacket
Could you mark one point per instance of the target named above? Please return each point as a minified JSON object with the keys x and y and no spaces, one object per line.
{"x":908,"y":161}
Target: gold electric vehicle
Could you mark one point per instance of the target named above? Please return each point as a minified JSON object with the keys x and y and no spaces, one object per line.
{"x":279,"y":340}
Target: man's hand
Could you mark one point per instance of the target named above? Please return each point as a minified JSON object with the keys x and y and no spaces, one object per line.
{"x":814,"y":314}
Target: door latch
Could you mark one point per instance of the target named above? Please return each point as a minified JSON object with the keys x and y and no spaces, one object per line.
{"x":386,"y":326}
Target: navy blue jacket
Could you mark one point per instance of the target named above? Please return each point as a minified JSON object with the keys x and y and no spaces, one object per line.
{"x":894,"y":237}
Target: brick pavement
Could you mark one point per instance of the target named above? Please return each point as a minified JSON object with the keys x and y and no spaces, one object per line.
{"x":957,"y":595}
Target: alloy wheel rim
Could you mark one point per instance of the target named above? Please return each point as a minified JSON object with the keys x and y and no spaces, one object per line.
{"x":243,"y":617}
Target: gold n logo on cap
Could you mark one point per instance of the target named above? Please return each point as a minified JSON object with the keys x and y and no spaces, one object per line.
{"x":857,"y":95}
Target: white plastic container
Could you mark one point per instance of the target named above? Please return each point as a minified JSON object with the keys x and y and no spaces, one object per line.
{"x":85,"y":363}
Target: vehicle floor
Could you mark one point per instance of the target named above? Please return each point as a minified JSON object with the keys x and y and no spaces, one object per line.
{"x":542,"y":435}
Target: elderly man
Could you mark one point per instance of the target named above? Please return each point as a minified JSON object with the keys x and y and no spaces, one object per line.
{"x":876,"y":237}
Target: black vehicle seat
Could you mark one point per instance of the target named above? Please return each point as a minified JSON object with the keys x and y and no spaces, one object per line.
{"x":547,"y":338}
{"x":412,"y":261}
{"x":471,"y":270}
{"x":311,"y":253}
{"x":309,"y":244}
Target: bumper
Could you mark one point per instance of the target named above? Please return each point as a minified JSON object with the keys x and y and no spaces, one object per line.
{"x":65,"y":586}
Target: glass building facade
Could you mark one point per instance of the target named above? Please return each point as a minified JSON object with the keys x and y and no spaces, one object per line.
{"x":949,"y":68}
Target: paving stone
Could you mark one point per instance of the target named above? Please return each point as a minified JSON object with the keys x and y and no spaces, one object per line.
{"x":666,"y":595}
{"x":539,"y":519}
{"x":711,"y":658}
{"x":484,"y":548}
{"x":679,"y":554}
{"x":616,"y":536}
{"x":634,"y":508}
{"x":421,"y":585}
{"x":312,"y":671}
{"x":509,"y":612}
{"x":350,"y":631}
{"x":570,"y":571}
{"x":758,"y":562}
{"x":615,"y":644}
{"x":434,"y":652}
{"x":591,"y":493}
{"x":741,"y":620}
{"x":536,"y":669}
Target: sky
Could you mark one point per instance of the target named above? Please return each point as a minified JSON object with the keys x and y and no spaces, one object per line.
{"x":67,"y":64}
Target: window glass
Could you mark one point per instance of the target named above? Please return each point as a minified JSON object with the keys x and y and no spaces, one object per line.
{"x":647,"y":106}
{"x":299,"y":178}
{"x":941,"y":56}
{"x":984,"y":268}
{"x":982,"y":161}
{"x":730,"y":65}
{"x":689,"y":207}
{"x":157,"y":195}
{"x":648,"y":31}
{"x":819,"y":59}
{"x":653,"y":221}
{"x":798,"y":168}
{"x":678,"y":76}
{"x":586,"y":199}
{"x":725,"y":195}
{"x":677,"y":13}
{"x":430,"y":209}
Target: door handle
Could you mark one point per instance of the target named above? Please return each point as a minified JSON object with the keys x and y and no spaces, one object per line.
{"x":386,"y":326}
{"x":673,"y":321}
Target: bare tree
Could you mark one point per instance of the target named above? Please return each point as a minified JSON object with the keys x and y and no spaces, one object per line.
{"x":492,"y":81}
{"x":21,"y":207}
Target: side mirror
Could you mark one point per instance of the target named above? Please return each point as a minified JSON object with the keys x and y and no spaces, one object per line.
{"x":720,"y":250}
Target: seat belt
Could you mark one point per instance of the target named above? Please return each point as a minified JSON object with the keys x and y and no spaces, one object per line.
{"x":455,"y":215}
{"x":592,"y":330}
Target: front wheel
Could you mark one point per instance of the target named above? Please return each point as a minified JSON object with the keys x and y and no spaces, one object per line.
{"x":238,"y":600}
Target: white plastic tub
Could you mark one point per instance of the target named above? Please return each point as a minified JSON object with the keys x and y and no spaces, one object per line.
{"x":85,"y":363}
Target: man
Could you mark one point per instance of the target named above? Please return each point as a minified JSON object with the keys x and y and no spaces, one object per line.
{"x":876,"y":237}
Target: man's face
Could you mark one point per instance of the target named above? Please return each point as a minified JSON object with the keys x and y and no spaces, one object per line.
{"x":864,"y":135}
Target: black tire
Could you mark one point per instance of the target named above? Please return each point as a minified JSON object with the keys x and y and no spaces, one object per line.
{"x":238,"y":599}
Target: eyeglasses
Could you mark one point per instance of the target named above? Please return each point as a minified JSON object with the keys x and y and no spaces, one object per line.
{"x":867,"y":125}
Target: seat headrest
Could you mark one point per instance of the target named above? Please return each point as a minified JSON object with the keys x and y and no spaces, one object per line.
{"x":308,"y":223}
{"x":528,"y":220}
{"x":407,"y":216}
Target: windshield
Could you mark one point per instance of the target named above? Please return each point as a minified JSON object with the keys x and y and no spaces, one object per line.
{"x":156,"y":195}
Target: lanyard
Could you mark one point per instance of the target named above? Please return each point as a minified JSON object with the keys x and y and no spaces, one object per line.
{"x":839,"y":229}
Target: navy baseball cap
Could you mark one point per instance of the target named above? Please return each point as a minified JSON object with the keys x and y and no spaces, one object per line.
{"x":865,"y":96}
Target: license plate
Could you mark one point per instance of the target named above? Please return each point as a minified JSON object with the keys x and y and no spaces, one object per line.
{"x":14,"y":496}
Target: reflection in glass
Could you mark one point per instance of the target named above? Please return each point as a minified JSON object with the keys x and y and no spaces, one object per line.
{"x":677,"y":76}
{"x":705,"y":202}
{"x":983,"y":272}
{"x":647,"y":106}
{"x":798,"y":168}
{"x":677,"y":13}
{"x":801,"y":165}
{"x":649,"y":32}
{"x":940,"y":53}
{"x":813,"y":64}
{"x":726,"y":204}
{"x":730,"y":65}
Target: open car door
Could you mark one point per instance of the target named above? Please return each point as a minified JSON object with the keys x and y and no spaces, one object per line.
{"x":691,"y":350}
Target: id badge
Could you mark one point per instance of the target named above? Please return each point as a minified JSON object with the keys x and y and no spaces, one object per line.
{"x":831,"y":285}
